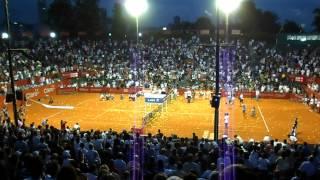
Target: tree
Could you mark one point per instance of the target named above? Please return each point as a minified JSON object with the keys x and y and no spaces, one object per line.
{"x":89,"y":16}
{"x":203,"y":22}
{"x":291,"y":27}
{"x":257,"y":23}
{"x":77,"y":15}
{"x":176,"y":25}
{"x":268,"y":22}
{"x":118,"y":22}
{"x":60,"y":15}
{"x":186,"y":25}
{"x":249,"y":17}
{"x":42,"y":12}
{"x":316,"y":19}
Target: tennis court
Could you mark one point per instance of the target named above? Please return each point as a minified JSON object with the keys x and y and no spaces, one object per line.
{"x":273,"y":117}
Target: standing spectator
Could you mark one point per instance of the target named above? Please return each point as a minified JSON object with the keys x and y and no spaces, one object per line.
{"x":92,"y":156}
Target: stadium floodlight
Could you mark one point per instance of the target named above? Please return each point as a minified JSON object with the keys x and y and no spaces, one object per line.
{"x":4,"y":35}
{"x":136,"y":7}
{"x":164,"y":28}
{"x":52,"y":34}
{"x":228,"y":6}
{"x":109,"y":34}
{"x":140,"y":34}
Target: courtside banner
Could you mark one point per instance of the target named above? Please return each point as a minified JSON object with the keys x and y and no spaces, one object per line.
{"x":109,"y":90}
{"x":304,"y":79}
{"x":69,"y":75}
{"x":66,"y":90}
{"x":154,"y":98}
{"x":41,"y":91}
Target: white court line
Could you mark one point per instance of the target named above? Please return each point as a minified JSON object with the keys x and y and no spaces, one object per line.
{"x":100,"y":115}
{"x":53,"y":115}
{"x":265,"y":123}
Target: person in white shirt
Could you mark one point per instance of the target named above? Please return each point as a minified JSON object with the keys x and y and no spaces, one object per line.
{"x":241,"y":97}
{"x":293,"y":139}
{"x":229,"y":97}
{"x":312,"y":103}
{"x":44,"y":122}
{"x":293,"y":133}
{"x":76,"y":126}
{"x":257,"y":94}
{"x":189,"y":95}
{"x":132,"y":97}
{"x":226,"y":119}
{"x":20,"y":123}
{"x":102,"y":96}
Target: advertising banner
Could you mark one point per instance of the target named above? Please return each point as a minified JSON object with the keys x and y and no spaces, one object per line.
{"x":154,"y":98}
{"x":40,"y":92}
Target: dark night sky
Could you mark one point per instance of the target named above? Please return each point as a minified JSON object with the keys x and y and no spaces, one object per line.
{"x":161,"y":12}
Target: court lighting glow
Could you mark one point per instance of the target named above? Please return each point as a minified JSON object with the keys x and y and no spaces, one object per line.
{"x":228,"y":6}
{"x":52,"y":35}
{"x":136,"y":7}
{"x":140,"y":34}
{"x":4,"y":35}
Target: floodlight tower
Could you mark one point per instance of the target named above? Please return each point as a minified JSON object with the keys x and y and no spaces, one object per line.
{"x":7,"y":38}
{"x":136,"y":8}
{"x":227,"y":7}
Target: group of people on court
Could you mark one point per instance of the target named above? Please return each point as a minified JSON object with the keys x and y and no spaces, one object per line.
{"x":230,"y":100}
{"x":106,"y":97}
{"x":312,"y":102}
{"x":110,"y":97}
{"x":190,"y":94}
{"x":244,"y":106}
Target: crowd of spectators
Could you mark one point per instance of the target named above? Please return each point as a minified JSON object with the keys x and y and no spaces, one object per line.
{"x":172,"y":62}
{"x":44,"y":152}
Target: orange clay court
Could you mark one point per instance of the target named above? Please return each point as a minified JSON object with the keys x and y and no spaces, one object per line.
{"x":273,"y":117}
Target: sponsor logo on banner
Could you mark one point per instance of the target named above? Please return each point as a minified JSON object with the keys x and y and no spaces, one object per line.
{"x":48,"y":90}
{"x":154,"y":100}
{"x":70,"y":75}
{"x":84,"y":89}
{"x":96,"y":89}
{"x":299,"y":79}
{"x":74,"y":75}
{"x":32,"y":94}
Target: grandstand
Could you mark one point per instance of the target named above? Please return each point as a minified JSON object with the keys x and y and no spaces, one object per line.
{"x":75,"y":94}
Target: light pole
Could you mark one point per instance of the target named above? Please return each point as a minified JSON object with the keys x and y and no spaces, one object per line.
{"x":216,"y":98}
{"x":136,"y":8}
{"x":227,"y":7}
{"x":8,"y":42}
